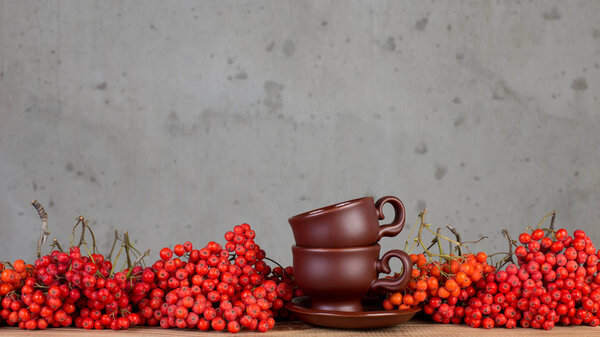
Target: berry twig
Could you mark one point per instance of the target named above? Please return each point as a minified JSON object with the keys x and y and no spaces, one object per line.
{"x":127,"y":245}
{"x":114,"y":264}
{"x":7,"y":263}
{"x":476,"y":241}
{"x":508,"y":255}
{"x":419,"y":238}
{"x":45,"y":232}
{"x":138,"y":261}
{"x":552,"y":214}
{"x":280,"y":266}
{"x":441,"y":236}
{"x":113,"y":245}
{"x":80,"y":220}
{"x":439,"y":243}
{"x":457,"y":235}
{"x":411,"y":232}
{"x":86,"y":224}
{"x":433,"y":242}
{"x":55,"y":244}
{"x":552,"y":220}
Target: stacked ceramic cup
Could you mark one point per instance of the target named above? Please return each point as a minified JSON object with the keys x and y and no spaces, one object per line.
{"x":336,"y":255}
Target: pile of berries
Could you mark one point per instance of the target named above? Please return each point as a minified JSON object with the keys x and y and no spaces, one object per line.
{"x":27,"y":306}
{"x":496,"y":301}
{"x":556,"y":281}
{"x":69,"y":288}
{"x":564,"y":268}
{"x":215,"y":287}
{"x":218,"y":287}
{"x":441,"y":288}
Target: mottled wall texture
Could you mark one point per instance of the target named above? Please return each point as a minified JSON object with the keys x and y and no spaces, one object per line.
{"x":179,"y":119}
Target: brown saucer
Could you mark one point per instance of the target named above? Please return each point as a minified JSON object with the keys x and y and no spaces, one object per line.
{"x":348,"y":320}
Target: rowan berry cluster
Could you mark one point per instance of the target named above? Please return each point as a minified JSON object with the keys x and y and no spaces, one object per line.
{"x":440,"y":288}
{"x":555,"y":281}
{"x":218,"y":287}
{"x":66,"y":289}
{"x":215,"y":287}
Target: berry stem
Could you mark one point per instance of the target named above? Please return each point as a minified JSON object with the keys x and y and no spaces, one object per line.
{"x":57,"y":245}
{"x":476,"y":241}
{"x":86,"y":224}
{"x":415,"y":242}
{"x":509,"y":256}
{"x":137,"y":252}
{"x":545,"y":217}
{"x":433,"y":242}
{"x":280,"y":266}
{"x":410,"y":235}
{"x":420,"y":234}
{"x":552,"y":220}
{"x":80,"y":220}
{"x":127,"y":245}
{"x":113,"y":245}
{"x":7,"y":263}
{"x":439,"y":243}
{"x":45,"y":232}
{"x":140,"y":258}
{"x":91,"y":257}
{"x":441,"y":236}
{"x":420,"y":239}
{"x":116,"y":260}
{"x":457,"y":235}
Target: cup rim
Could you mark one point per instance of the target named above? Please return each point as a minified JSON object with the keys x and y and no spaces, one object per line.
{"x":336,"y":250}
{"x":330,"y":208}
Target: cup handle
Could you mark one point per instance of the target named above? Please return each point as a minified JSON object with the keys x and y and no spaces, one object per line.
{"x":396,"y":226}
{"x":383,"y":266}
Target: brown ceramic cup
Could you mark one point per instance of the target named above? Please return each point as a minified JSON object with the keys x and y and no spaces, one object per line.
{"x":353,"y":223}
{"x":338,"y":278}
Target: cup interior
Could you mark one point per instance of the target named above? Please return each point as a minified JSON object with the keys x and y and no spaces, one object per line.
{"x":322,"y":210}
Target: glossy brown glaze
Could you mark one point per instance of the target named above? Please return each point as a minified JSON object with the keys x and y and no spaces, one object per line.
{"x":338,"y":278}
{"x":372,"y":317}
{"x":352,"y":223}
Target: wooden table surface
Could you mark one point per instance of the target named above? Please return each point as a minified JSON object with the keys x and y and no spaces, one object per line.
{"x":412,"y":328}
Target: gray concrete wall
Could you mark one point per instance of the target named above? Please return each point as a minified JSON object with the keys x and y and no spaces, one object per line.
{"x":177,"y":120}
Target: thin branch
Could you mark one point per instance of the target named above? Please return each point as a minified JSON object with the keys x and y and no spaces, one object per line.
{"x":113,"y":245}
{"x":146,"y":253}
{"x":457,"y":235}
{"x":441,"y":236}
{"x":86,"y":224}
{"x":114,"y":264}
{"x":411,"y":233}
{"x":127,"y":245}
{"x":140,"y":258}
{"x":57,"y":245}
{"x":439,"y":243}
{"x":509,"y":256}
{"x":45,"y":232}
{"x":433,"y":242}
{"x":510,"y":243}
{"x":280,"y":266}
{"x":81,"y":220}
{"x":420,"y":238}
{"x":415,"y":243}
{"x":552,"y":220}
{"x":7,"y":263}
{"x":544,"y":218}
{"x":476,"y":241}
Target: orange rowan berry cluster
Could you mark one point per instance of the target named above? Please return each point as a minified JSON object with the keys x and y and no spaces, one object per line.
{"x":439,"y":286}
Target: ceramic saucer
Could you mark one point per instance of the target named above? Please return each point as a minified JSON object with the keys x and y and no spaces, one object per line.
{"x":348,"y":320}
